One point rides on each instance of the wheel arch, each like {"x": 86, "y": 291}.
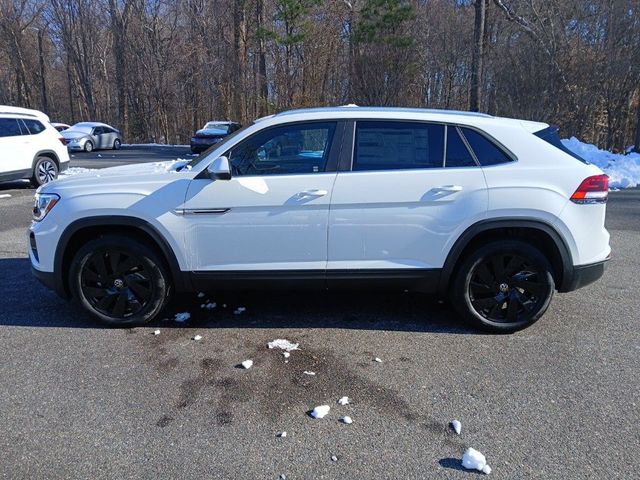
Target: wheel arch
{"x": 45, "y": 153}
{"x": 541, "y": 234}
{"x": 85, "y": 229}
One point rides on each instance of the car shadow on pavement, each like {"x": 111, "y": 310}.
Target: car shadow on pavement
{"x": 26, "y": 302}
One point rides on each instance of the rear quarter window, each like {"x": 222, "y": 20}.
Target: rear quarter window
{"x": 34, "y": 126}
{"x": 551, "y": 136}
{"x": 485, "y": 150}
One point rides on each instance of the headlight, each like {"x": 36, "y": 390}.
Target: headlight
{"x": 43, "y": 204}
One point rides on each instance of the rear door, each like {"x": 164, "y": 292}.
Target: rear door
{"x": 16, "y": 153}
{"x": 412, "y": 188}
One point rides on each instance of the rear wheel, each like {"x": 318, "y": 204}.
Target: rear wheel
{"x": 119, "y": 281}
{"x": 503, "y": 286}
{"x": 116, "y": 144}
{"x": 44, "y": 171}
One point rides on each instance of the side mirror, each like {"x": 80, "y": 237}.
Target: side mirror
{"x": 219, "y": 169}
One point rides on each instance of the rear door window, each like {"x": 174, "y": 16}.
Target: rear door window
{"x": 458, "y": 154}
{"x": 485, "y": 150}
{"x": 9, "y": 127}
{"x": 388, "y": 145}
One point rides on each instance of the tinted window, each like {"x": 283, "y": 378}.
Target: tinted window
{"x": 34, "y": 126}
{"x": 457, "y": 152}
{"x": 98, "y": 131}
{"x": 296, "y": 148}
{"x": 486, "y": 152}
{"x": 550, "y": 135}
{"x": 397, "y": 145}
{"x": 9, "y": 127}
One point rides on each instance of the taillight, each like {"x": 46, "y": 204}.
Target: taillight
{"x": 593, "y": 189}
{"x": 62, "y": 140}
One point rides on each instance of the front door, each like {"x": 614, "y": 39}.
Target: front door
{"x": 272, "y": 215}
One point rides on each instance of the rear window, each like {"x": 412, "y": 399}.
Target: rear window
{"x": 384, "y": 145}
{"x": 9, "y": 127}
{"x": 34, "y": 126}
{"x": 486, "y": 151}
{"x": 550, "y": 135}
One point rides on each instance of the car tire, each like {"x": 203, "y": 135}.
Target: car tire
{"x": 45, "y": 170}
{"x": 117, "y": 144}
{"x": 503, "y": 287}
{"x": 119, "y": 281}
{"x": 88, "y": 146}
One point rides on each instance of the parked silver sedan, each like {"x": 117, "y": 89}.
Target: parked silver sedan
{"x": 88, "y": 136}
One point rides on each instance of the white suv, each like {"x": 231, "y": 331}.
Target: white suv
{"x": 30, "y": 147}
{"x": 491, "y": 212}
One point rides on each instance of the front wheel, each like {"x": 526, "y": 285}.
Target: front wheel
{"x": 503, "y": 286}
{"x": 88, "y": 146}
{"x": 119, "y": 281}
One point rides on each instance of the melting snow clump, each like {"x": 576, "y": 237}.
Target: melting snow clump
{"x": 247, "y": 364}
{"x": 307, "y": 372}
{"x": 457, "y": 426}
{"x": 281, "y": 434}
{"x": 377, "y": 360}
{"x": 286, "y": 354}
{"x": 197, "y": 338}
{"x": 334, "y": 458}
{"x": 182, "y": 317}
{"x": 201, "y": 294}
{"x": 5, "y": 195}
{"x": 474, "y": 460}
{"x": 320, "y": 412}
{"x": 346, "y": 419}
{"x": 283, "y": 344}
{"x": 156, "y": 332}
{"x": 209, "y": 306}
{"x": 344, "y": 401}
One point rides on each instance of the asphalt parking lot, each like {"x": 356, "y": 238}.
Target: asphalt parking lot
{"x": 558, "y": 400}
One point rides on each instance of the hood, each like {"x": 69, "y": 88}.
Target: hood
{"x": 118, "y": 179}
{"x": 70, "y": 134}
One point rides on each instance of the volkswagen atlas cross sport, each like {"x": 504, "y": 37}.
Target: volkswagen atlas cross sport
{"x": 492, "y": 213}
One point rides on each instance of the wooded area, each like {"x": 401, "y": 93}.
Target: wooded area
{"x": 158, "y": 69}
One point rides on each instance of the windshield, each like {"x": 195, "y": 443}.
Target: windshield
{"x": 79, "y": 127}
{"x": 223, "y": 127}
{"x": 550, "y": 135}
{"x": 215, "y": 146}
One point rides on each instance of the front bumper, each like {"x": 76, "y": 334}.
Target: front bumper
{"x": 583, "y": 275}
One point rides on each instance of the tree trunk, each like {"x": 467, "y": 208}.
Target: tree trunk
{"x": 636, "y": 144}
{"x": 480, "y": 7}
{"x": 263, "y": 91}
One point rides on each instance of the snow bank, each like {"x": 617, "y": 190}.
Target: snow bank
{"x": 71, "y": 171}
{"x": 623, "y": 170}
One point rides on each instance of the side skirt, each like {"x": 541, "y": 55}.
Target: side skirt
{"x": 418, "y": 280}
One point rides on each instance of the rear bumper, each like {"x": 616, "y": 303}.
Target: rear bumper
{"x": 583, "y": 275}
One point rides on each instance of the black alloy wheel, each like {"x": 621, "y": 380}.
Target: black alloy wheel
{"x": 119, "y": 280}
{"x": 505, "y": 286}
{"x": 116, "y": 283}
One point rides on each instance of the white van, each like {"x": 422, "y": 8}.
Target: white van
{"x": 30, "y": 147}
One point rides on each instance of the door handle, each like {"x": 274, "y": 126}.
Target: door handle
{"x": 313, "y": 193}
{"x": 448, "y": 188}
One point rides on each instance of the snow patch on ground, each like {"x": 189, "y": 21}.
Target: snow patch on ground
{"x": 457, "y": 426}
{"x": 320, "y": 411}
{"x": 197, "y": 338}
{"x": 182, "y": 317}
{"x": 5, "y": 195}
{"x": 247, "y": 364}
{"x": 347, "y": 420}
{"x": 156, "y": 332}
{"x": 283, "y": 344}
{"x": 623, "y": 170}
{"x": 474, "y": 460}
{"x": 344, "y": 401}
{"x": 71, "y": 171}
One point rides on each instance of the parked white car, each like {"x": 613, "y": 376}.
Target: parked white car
{"x": 29, "y": 146}
{"x": 490, "y": 212}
